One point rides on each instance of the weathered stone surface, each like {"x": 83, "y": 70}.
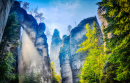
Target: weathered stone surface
{"x": 55, "y": 49}
{"x": 102, "y": 10}
{"x": 42, "y": 47}
{"x": 41, "y": 39}
{"x": 68, "y": 57}
{"x": 5, "y": 6}
{"x": 36, "y": 34}
{"x": 26, "y": 21}
{"x": 77, "y": 36}
{"x": 104, "y": 24}
{"x": 108, "y": 67}
{"x": 65, "y": 64}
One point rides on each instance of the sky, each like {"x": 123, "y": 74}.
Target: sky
{"x": 59, "y": 14}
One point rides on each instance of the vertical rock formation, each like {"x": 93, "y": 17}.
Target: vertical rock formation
{"x": 34, "y": 48}
{"x": 104, "y": 24}
{"x": 28, "y": 24}
{"x": 77, "y": 36}
{"x": 5, "y": 6}
{"x": 26, "y": 21}
{"x": 70, "y": 61}
{"x": 101, "y": 11}
{"x": 41, "y": 39}
{"x": 65, "y": 62}
{"x": 55, "y": 49}
{"x": 42, "y": 47}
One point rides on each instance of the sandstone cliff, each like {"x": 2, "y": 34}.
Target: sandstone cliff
{"x": 104, "y": 24}
{"x": 5, "y": 6}
{"x": 65, "y": 62}
{"x": 42, "y": 47}
{"x": 55, "y": 49}
{"x": 33, "y": 51}
{"x": 70, "y": 61}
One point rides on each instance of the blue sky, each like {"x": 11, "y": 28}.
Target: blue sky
{"x": 61, "y": 13}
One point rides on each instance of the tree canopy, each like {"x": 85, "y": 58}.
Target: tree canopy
{"x": 118, "y": 17}
{"x": 95, "y": 60}
{"x": 10, "y": 39}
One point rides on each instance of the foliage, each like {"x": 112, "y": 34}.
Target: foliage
{"x": 37, "y": 15}
{"x": 32, "y": 78}
{"x": 6, "y": 68}
{"x": 9, "y": 39}
{"x": 55, "y": 78}
{"x": 118, "y": 17}
{"x": 25, "y": 5}
{"x": 10, "y": 35}
{"x": 94, "y": 62}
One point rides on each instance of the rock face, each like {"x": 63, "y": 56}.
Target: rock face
{"x": 104, "y": 24}
{"x": 55, "y": 49}
{"x": 42, "y": 47}
{"x": 26, "y": 21}
{"x": 34, "y": 48}
{"x": 65, "y": 63}
{"x": 70, "y": 61}
{"x": 41, "y": 40}
{"x": 77, "y": 36}
{"x": 5, "y": 6}
{"x": 102, "y": 10}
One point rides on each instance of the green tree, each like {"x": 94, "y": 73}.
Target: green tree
{"x": 9, "y": 39}
{"x": 55, "y": 78}
{"x": 118, "y": 17}
{"x": 32, "y": 78}
{"x": 6, "y": 68}
{"x": 11, "y": 34}
{"x": 91, "y": 71}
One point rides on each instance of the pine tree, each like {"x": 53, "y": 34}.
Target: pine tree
{"x": 118, "y": 17}
{"x": 94, "y": 62}
{"x": 10, "y": 39}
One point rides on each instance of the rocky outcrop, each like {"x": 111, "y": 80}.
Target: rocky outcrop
{"x": 5, "y": 6}
{"x": 42, "y": 47}
{"x": 68, "y": 55}
{"x": 26, "y": 21}
{"x": 104, "y": 24}
{"x": 101, "y": 11}
{"x": 55, "y": 49}
{"x": 108, "y": 67}
{"x": 77, "y": 36}
{"x": 33, "y": 52}
{"x": 65, "y": 62}
{"x": 41, "y": 40}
